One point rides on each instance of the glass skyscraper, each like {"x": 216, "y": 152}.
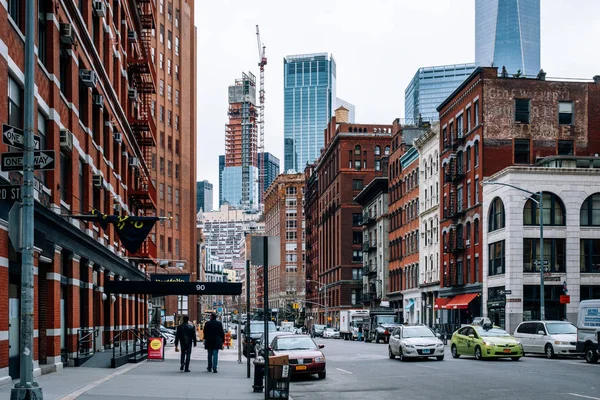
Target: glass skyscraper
{"x": 204, "y": 196}
{"x": 430, "y": 87}
{"x": 271, "y": 170}
{"x": 309, "y": 97}
{"x": 507, "y": 33}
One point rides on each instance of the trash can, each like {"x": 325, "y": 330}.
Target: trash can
{"x": 279, "y": 377}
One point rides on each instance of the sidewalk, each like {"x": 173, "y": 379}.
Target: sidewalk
{"x": 151, "y": 379}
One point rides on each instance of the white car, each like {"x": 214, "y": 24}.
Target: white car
{"x": 417, "y": 341}
{"x": 331, "y": 333}
{"x": 552, "y": 338}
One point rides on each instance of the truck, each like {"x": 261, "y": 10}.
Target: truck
{"x": 380, "y": 325}
{"x": 287, "y": 326}
{"x": 350, "y": 321}
{"x": 588, "y": 330}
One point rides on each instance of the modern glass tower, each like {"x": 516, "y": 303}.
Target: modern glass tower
{"x": 271, "y": 171}
{"x": 204, "y": 196}
{"x": 309, "y": 97}
{"x": 430, "y": 87}
{"x": 507, "y": 34}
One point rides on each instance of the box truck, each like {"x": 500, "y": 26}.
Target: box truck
{"x": 350, "y": 321}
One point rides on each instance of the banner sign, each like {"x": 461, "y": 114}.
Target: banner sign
{"x": 170, "y": 277}
{"x": 155, "y": 348}
{"x": 172, "y": 288}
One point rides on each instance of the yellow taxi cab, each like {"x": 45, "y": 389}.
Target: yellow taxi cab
{"x": 485, "y": 341}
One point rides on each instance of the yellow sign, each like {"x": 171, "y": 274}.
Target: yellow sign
{"x": 328, "y": 318}
{"x": 155, "y": 344}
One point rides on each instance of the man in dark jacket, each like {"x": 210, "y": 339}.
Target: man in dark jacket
{"x": 214, "y": 337}
{"x": 186, "y": 334}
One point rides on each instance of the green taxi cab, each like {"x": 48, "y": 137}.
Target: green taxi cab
{"x": 485, "y": 341}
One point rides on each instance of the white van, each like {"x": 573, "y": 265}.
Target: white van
{"x": 588, "y": 330}
{"x": 552, "y": 338}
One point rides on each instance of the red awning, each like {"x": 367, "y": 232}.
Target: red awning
{"x": 441, "y": 302}
{"x": 461, "y": 301}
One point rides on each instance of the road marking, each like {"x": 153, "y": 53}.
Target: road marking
{"x": 579, "y": 363}
{"x": 99, "y": 382}
{"x": 425, "y": 366}
{"x": 584, "y": 397}
{"x": 343, "y": 370}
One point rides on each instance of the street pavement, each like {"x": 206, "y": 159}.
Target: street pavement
{"x": 358, "y": 370}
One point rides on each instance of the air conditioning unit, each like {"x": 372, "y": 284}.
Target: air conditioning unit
{"x": 66, "y": 139}
{"x": 134, "y": 162}
{"x": 67, "y": 35}
{"x": 98, "y": 100}
{"x": 132, "y": 36}
{"x": 100, "y": 8}
{"x": 88, "y": 77}
{"x": 467, "y": 242}
{"x": 132, "y": 93}
{"x": 117, "y": 207}
{"x": 98, "y": 180}
{"x": 118, "y": 136}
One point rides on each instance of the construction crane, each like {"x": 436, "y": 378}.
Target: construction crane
{"x": 262, "y": 61}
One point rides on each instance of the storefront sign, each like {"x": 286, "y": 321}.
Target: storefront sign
{"x": 551, "y": 278}
{"x": 565, "y": 299}
{"x": 155, "y": 348}
{"x": 511, "y": 300}
{"x": 170, "y": 277}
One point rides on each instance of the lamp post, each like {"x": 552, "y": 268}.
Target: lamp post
{"x": 324, "y": 293}
{"x": 540, "y": 203}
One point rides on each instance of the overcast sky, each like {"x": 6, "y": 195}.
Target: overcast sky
{"x": 378, "y": 46}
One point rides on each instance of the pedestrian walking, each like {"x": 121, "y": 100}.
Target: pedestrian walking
{"x": 186, "y": 335}
{"x": 214, "y": 336}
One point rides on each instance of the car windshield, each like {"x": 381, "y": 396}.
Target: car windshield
{"x": 386, "y": 319}
{"x": 417, "y": 332}
{"x": 561, "y": 329}
{"x": 259, "y": 327}
{"x": 295, "y": 343}
{"x": 494, "y": 332}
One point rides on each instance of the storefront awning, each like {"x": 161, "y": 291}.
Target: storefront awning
{"x": 441, "y": 302}
{"x": 461, "y": 302}
{"x": 411, "y": 303}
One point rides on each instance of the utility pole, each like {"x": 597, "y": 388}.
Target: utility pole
{"x": 27, "y": 388}
{"x": 267, "y": 316}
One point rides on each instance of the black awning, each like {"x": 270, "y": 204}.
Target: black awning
{"x": 170, "y": 288}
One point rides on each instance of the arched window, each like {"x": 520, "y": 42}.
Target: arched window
{"x": 496, "y": 216}
{"x": 590, "y": 211}
{"x": 357, "y": 150}
{"x": 468, "y": 234}
{"x": 377, "y": 150}
{"x": 387, "y": 151}
{"x": 554, "y": 211}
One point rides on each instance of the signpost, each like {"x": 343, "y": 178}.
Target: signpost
{"x": 42, "y": 160}
{"x": 15, "y": 137}
{"x": 156, "y": 349}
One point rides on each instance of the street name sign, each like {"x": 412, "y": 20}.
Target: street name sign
{"x": 538, "y": 262}
{"x": 15, "y": 137}
{"x": 42, "y": 160}
{"x": 10, "y": 192}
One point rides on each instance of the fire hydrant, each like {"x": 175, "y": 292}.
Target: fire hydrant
{"x": 259, "y": 371}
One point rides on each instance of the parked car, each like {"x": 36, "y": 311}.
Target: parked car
{"x": 256, "y": 330}
{"x": 485, "y": 341}
{"x": 305, "y": 355}
{"x": 260, "y": 343}
{"x": 551, "y": 338}
{"x": 330, "y": 333}
{"x": 415, "y": 342}
{"x": 317, "y": 330}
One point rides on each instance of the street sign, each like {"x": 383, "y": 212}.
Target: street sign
{"x": 564, "y": 299}
{"x": 10, "y": 192}
{"x": 42, "y": 160}
{"x": 538, "y": 262}
{"x": 15, "y": 137}
{"x": 508, "y": 292}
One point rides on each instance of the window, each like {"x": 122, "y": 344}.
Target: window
{"x": 565, "y": 148}
{"x": 161, "y": 114}
{"x": 176, "y": 170}
{"x": 42, "y": 35}
{"x": 291, "y": 235}
{"x": 522, "y": 110}
{"x": 496, "y": 265}
{"x": 468, "y": 111}
{"x": 162, "y": 33}
{"x": 476, "y": 191}
{"x": 177, "y": 72}
{"x": 176, "y": 45}
{"x": 169, "y": 117}
{"x": 169, "y": 193}
{"x": 590, "y": 255}
{"x": 565, "y": 112}
{"x": 15, "y": 114}
{"x": 169, "y": 66}
{"x": 161, "y": 61}
{"x": 176, "y": 221}
{"x": 590, "y": 211}
{"x": 496, "y": 216}
{"x": 161, "y": 87}
{"x": 169, "y": 92}
{"x": 468, "y": 158}
{"x": 521, "y": 151}
{"x": 176, "y": 97}
{"x": 357, "y": 184}
{"x": 554, "y": 211}
{"x": 476, "y": 153}
{"x": 177, "y": 196}
{"x": 169, "y": 168}
{"x": 377, "y": 165}
{"x": 170, "y": 143}
{"x": 161, "y": 243}
{"x": 356, "y": 219}
{"x": 161, "y": 191}
{"x": 177, "y": 146}
{"x": 65, "y": 172}
{"x": 162, "y": 165}
{"x": 387, "y": 151}
{"x": 176, "y": 122}
{"x": 169, "y": 40}
{"x": 357, "y": 238}
{"x": 169, "y": 244}
{"x": 554, "y": 254}
{"x": 459, "y": 126}
{"x": 476, "y": 231}
{"x": 476, "y": 111}
{"x": 377, "y": 150}
{"x": 357, "y": 256}
{"x": 357, "y": 165}
{"x": 170, "y": 11}
{"x": 177, "y": 17}
{"x": 162, "y": 6}
{"x": 469, "y": 195}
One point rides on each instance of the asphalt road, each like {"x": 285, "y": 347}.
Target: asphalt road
{"x": 358, "y": 370}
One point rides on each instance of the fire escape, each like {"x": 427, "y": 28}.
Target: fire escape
{"x": 142, "y": 78}
{"x": 454, "y": 209}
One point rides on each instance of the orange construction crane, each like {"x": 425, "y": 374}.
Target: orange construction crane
{"x": 262, "y": 61}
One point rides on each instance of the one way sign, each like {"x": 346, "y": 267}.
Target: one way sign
{"x": 43, "y": 160}
{"x": 15, "y": 137}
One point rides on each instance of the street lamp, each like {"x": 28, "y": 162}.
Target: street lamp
{"x": 325, "y": 294}
{"x": 540, "y": 203}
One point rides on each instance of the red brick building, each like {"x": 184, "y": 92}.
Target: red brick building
{"x": 311, "y": 217}
{"x": 347, "y": 163}
{"x": 488, "y": 123}
{"x": 395, "y": 218}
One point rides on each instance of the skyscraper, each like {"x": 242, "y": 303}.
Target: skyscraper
{"x": 221, "y": 168}
{"x": 309, "y": 97}
{"x": 351, "y": 108}
{"x": 507, "y": 33}
{"x": 204, "y": 196}
{"x": 430, "y": 87}
{"x": 240, "y": 174}
{"x": 271, "y": 171}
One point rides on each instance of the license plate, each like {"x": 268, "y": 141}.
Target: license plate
{"x": 507, "y": 350}
{"x": 425, "y": 351}
{"x": 300, "y": 367}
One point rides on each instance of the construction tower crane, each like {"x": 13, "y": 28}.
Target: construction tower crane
{"x": 262, "y": 61}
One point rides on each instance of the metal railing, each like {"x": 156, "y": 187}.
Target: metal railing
{"x": 86, "y": 342}
{"x": 133, "y": 338}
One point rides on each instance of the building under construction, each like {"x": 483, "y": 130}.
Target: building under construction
{"x": 240, "y": 176}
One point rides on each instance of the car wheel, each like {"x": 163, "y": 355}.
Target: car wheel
{"x": 454, "y": 351}
{"x": 515, "y": 358}
{"x": 323, "y": 375}
{"x": 549, "y": 350}
{"x": 401, "y": 355}
{"x": 440, "y": 358}
{"x": 478, "y": 355}
{"x": 391, "y": 353}
{"x": 590, "y": 355}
